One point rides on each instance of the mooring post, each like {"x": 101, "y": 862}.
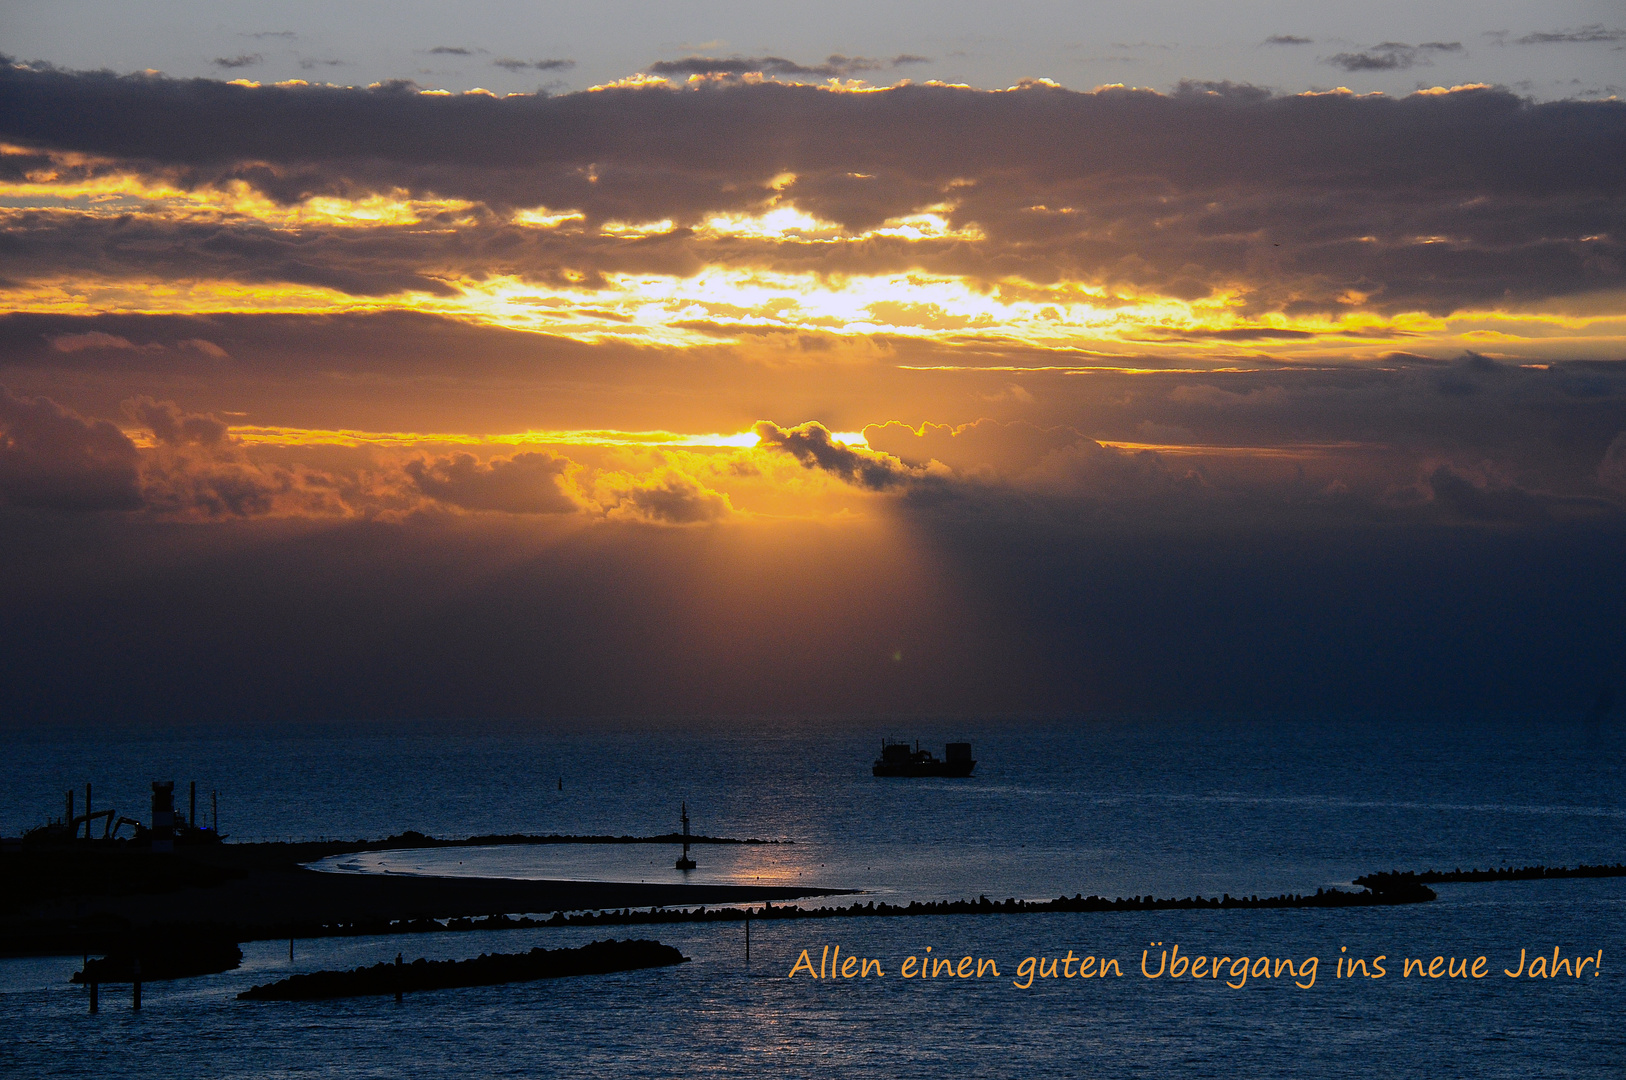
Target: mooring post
{"x": 398, "y": 978}
{"x": 93, "y": 1002}
{"x": 290, "y": 948}
{"x": 748, "y": 939}
{"x": 135, "y": 992}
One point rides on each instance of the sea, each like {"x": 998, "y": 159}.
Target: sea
{"x": 1166, "y": 807}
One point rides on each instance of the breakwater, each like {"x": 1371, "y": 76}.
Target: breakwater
{"x": 1321, "y": 898}
{"x": 1402, "y": 878}
{"x": 597, "y": 958}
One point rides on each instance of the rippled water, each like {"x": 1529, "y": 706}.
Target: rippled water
{"x": 1126, "y": 808}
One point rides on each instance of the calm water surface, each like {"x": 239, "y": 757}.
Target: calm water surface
{"x": 1128, "y": 808}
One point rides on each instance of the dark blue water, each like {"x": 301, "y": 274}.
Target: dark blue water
{"x": 1126, "y": 808}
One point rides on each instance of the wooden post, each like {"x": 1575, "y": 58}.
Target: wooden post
{"x": 290, "y": 948}
{"x": 748, "y": 939}
{"x": 398, "y": 978}
{"x": 93, "y": 1003}
{"x": 135, "y": 993}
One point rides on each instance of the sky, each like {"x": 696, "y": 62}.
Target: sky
{"x": 1560, "y": 49}
{"x": 366, "y": 361}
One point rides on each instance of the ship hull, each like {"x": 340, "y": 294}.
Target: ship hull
{"x": 961, "y": 768}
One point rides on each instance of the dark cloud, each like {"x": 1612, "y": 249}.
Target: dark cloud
{"x": 1482, "y": 496}
{"x": 1372, "y": 61}
{"x": 812, "y": 445}
{"x": 1288, "y": 39}
{"x": 452, "y": 50}
{"x": 1486, "y": 498}
{"x": 241, "y": 61}
{"x": 1589, "y": 34}
{"x": 384, "y": 346}
{"x": 53, "y": 459}
{"x": 195, "y": 470}
{"x": 172, "y": 427}
{"x": 511, "y": 64}
{"x": 1297, "y": 201}
{"x": 522, "y": 484}
{"x": 359, "y": 262}
{"x": 1392, "y": 56}
{"x": 190, "y": 468}
{"x": 202, "y": 487}
{"x": 666, "y": 498}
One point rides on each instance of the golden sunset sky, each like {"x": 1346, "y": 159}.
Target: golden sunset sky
{"x": 747, "y": 382}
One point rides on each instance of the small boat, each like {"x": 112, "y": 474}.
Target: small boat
{"x": 898, "y": 760}
{"x": 685, "y": 863}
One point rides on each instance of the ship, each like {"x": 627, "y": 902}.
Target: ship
{"x": 168, "y": 830}
{"x": 897, "y": 759}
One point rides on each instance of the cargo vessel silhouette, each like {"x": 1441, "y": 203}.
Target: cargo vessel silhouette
{"x": 897, "y": 759}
